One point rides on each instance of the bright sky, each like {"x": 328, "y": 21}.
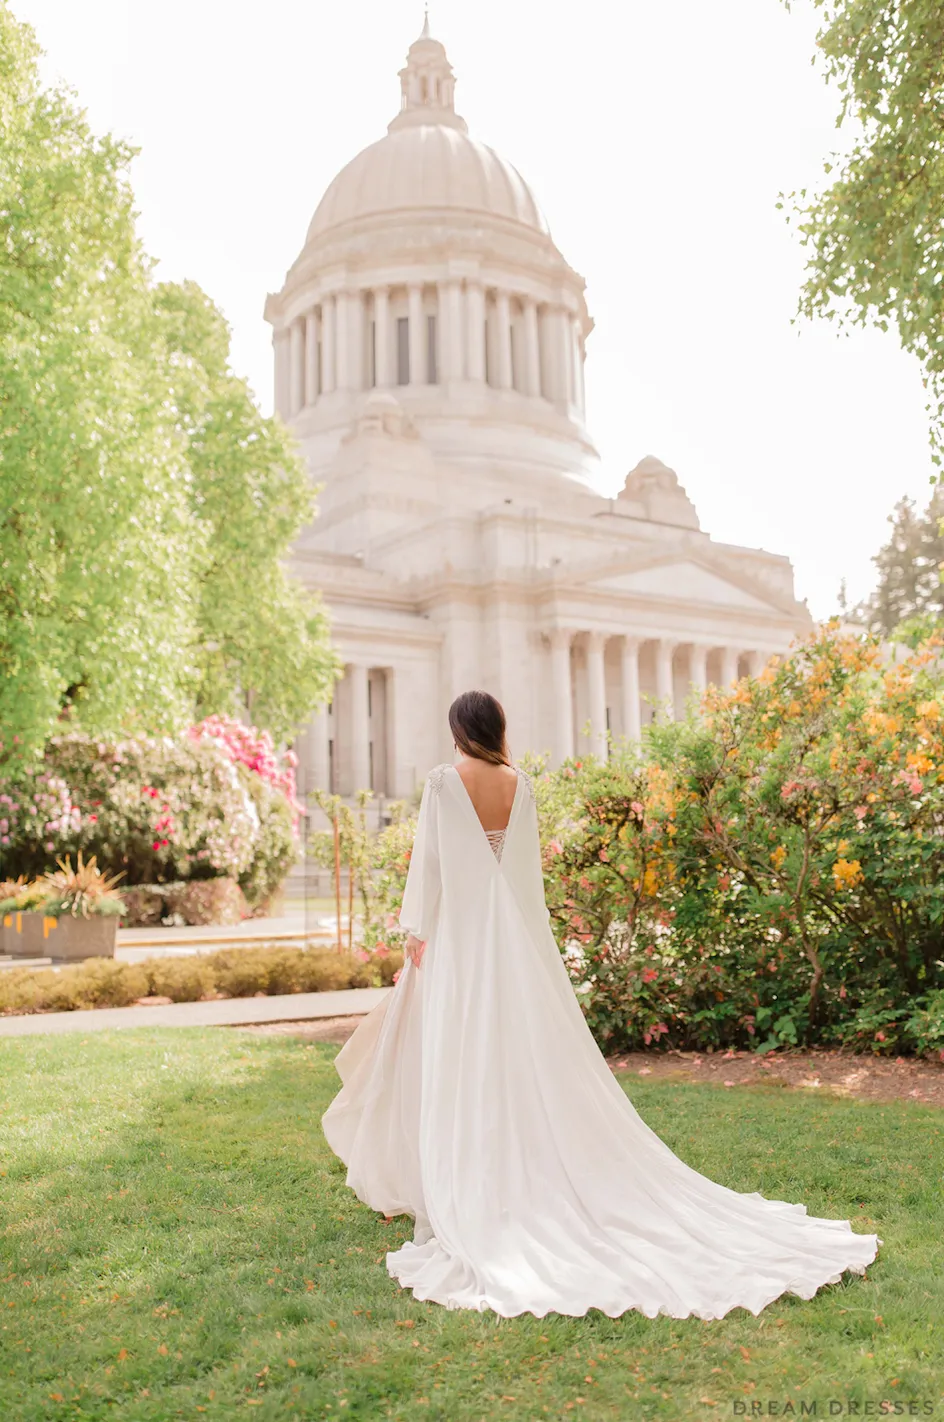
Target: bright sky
{"x": 656, "y": 138}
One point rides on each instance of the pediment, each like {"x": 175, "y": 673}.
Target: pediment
{"x": 685, "y": 581}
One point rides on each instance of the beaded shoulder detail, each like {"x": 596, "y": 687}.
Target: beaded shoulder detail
{"x": 529, "y": 783}
{"x": 436, "y": 778}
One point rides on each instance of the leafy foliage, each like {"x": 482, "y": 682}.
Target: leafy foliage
{"x": 155, "y": 810}
{"x": 908, "y": 600}
{"x": 874, "y": 235}
{"x": 146, "y": 506}
{"x": 770, "y": 871}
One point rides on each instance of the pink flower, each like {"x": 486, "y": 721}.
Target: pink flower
{"x": 381, "y": 951}
{"x": 649, "y": 974}
{"x": 604, "y": 856}
{"x": 556, "y": 847}
{"x": 637, "y": 809}
{"x": 861, "y": 811}
{"x": 92, "y": 819}
{"x": 49, "y": 846}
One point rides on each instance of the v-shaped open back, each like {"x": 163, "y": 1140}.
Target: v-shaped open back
{"x": 495, "y": 839}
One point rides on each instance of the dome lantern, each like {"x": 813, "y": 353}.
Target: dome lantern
{"x": 427, "y": 86}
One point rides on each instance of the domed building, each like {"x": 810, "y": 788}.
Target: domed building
{"x": 429, "y": 349}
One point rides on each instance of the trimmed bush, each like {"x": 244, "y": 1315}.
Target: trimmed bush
{"x": 181, "y": 979}
{"x": 203, "y": 901}
{"x": 236, "y": 972}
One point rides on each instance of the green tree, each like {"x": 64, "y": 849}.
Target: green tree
{"x": 874, "y": 234}
{"x": 96, "y": 594}
{"x": 146, "y": 506}
{"x": 262, "y": 640}
{"x": 909, "y": 596}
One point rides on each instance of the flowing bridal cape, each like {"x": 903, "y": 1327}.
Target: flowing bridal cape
{"x": 475, "y": 1099}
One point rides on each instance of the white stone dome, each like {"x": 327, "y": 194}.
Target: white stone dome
{"x": 427, "y": 167}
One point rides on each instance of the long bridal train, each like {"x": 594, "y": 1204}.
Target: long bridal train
{"x": 475, "y": 1099}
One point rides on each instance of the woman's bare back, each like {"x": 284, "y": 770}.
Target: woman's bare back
{"x": 491, "y": 788}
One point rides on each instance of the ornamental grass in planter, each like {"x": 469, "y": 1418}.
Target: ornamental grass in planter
{"x": 70, "y": 914}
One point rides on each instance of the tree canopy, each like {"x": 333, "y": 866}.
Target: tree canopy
{"x": 146, "y": 506}
{"x": 908, "y": 599}
{"x": 876, "y": 246}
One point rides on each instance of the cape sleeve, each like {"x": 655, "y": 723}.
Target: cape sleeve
{"x": 423, "y": 888}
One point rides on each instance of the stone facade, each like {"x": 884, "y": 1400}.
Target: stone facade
{"x": 429, "y": 353}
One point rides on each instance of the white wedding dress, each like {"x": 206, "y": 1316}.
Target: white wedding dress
{"x": 476, "y": 1100}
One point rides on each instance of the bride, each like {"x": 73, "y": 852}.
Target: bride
{"x": 475, "y": 1099}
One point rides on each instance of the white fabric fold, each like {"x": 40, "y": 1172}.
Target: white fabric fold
{"x": 475, "y": 1099}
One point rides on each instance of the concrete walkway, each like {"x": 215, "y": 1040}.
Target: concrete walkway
{"x": 223, "y": 1012}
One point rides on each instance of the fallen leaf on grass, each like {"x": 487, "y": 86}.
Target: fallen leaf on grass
{"x": 406, "y": 1323}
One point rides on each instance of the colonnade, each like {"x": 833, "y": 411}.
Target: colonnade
{"x": 579, "y": 673}
{"x": 429, "y": 334}
{"x": 349, "y": 745}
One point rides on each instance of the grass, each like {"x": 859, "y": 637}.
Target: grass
{"x": 178, "y": 1241}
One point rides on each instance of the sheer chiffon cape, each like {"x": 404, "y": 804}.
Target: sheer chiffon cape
{"x": 475, "y": 1099}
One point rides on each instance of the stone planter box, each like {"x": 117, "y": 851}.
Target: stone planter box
{"x": 66, "y": 939}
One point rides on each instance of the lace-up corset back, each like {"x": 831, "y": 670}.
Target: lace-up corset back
{"x": 496, "y": 839}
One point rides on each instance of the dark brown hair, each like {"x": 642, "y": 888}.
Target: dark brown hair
{"x": 477, "y": 722}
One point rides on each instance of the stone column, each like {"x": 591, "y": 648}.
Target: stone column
{"x": 577, "y": 364}
{"x": 503, "y": 322}
{"x": 297, "y": 348}
{"x": 562, "y": 694}
{"x": 417, "y": 336}
{"x": 632, "y": 714}
{"x": 729, "y": 665}
{"x": 382, "y": 345}
{"x": 698, "y": 667}
{"x": 360, "y": 729}
{"x": 475, "y": 331}
{"x": 665, "y": 688}
{"x": 357, "y": 339}
{"x": 532, "y": 382}
{"x": 328, "y": 345}
{"x": 313, "y": 757}
{"x": 596, "y": 693}
{"x": 454, "y": 362}
{"x": 311, "y": 357}
{"x": 282, "y": 356}
{"x": 553, "y": 351}
{"x": 342, "y": 341}
{"x": 758, "y": 660}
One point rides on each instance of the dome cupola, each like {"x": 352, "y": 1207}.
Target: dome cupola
{"x": 429, "y": 269}
{"x": 427, "y": 86}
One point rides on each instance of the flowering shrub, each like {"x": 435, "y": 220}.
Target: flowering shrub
{"x": 253, "y": 749}
{"x": 767, "y": 871}
{"x": 773, "y": 873}
{"x": 155, "y": 810}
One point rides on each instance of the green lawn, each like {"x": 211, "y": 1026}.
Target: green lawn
{"x": 178, "y": 1241}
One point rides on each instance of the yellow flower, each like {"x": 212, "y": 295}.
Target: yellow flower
{"x": 847, "y": 873}
{"x": 929, "y": 710}
{"x": 778, "y": 856}
{"x": 842, "y": 847}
